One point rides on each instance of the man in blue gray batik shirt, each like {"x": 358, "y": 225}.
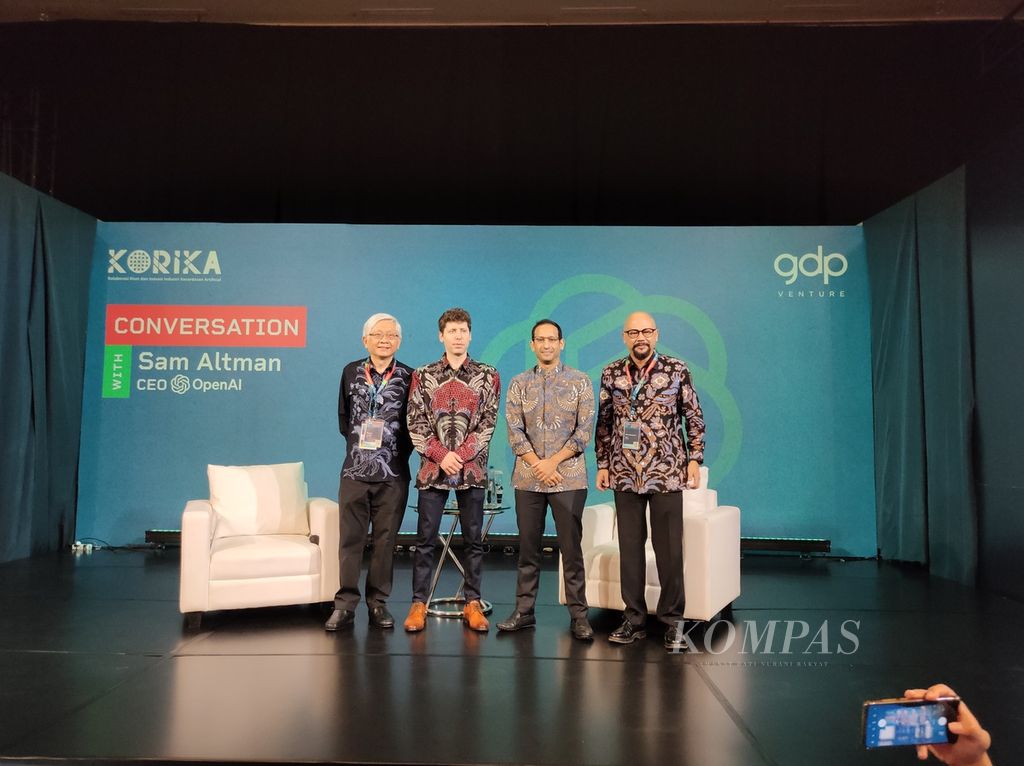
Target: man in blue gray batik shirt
{"x": 372, "y": 404}
{"x": 550, "y": 416}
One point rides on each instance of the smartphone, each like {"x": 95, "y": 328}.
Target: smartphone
{"x": 899, "y": 721}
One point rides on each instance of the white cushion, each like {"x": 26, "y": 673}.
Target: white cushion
{"x": 258, "y": 499}
{"x": 699, "y": 500}
{"x": 241, "y": 558}
{"x": 711, "y": 560}
{"x": 602, "y": 562}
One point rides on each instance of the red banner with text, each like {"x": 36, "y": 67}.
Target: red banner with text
{"x": 175, "y": 325}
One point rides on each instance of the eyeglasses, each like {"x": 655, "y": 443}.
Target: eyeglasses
{"x": 384, "y": 335}
{"x": 546, "y": 340}
{"x": 647, "y": 332}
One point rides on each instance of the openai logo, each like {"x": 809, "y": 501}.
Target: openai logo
{"x": 816, "y": 264}
{"x": 180, "y": 384}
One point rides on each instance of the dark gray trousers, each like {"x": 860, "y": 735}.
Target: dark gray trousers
{"x": 567, "y": 510}
{"x": 667, "y": 540}
{"x": 362, "y": 504}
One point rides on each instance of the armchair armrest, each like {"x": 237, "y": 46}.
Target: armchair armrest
{"x": 197, "y": 524}
{"x": 598, "y": 525}
{"x": 324, "y": 523}
{"x": 711, "y": 541}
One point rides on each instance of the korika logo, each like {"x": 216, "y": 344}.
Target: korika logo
{"x": 198, "y": 262}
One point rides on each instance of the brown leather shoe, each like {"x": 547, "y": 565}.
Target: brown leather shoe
{"x": 417, "y": 619}
{"x": 473, "y": 616}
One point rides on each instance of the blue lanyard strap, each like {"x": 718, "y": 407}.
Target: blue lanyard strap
{"x": 377, "y": 392}
{"x": 640, "y": 383}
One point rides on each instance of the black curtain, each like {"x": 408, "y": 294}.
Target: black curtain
{"x": 45, "y": 248}
{"x": 995, "y": 199}
{"x": 922, "y": 374}
{"x": 583, "y": 125}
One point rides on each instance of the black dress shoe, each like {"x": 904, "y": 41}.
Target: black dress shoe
{"x": 380, "y": 617}
{"x": 627, "y": 633}
{"x": 340, "y": 618}
{"x": 518, "y": 621}
{"x": 674, "y": 639}
{"x": 581, "y": 629}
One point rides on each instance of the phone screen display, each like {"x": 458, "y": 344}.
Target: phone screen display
{"x": 891, "y": 723}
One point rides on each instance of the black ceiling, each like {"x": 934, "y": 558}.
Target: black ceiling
{"x": 673, "y": 125}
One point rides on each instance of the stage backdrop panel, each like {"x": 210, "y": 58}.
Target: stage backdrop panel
{"x": 224, "y": 344}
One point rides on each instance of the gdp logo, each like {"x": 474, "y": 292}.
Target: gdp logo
{"x": 816, "y": 264}
{"x": 164, "y": 265}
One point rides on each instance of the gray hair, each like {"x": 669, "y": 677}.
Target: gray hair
{"x": 369, "y": 323}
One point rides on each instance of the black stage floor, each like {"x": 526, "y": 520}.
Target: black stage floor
{"x": 97, "y": 666}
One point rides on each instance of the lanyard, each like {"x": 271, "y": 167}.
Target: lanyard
{"x": 377, "y": 392}
{"x": 641, "y": 381}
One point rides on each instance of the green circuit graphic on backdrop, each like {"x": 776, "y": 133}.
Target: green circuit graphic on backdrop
{"x": 710, "y": 382}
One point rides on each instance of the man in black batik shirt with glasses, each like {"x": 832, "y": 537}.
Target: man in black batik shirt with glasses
{"x": 646, "y": 406}
{"x": 372, "y": 408}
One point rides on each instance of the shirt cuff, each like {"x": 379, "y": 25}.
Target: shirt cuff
{"x": 436, "y": 451}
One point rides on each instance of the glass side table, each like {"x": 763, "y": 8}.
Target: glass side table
{"x": 451, "y": 606}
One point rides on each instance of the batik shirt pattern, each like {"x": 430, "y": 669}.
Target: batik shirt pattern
{"x": 665, "y": 407}
{"x": 453, "y": 411}
{"x": 546, "y": 410}
{"x": 391, "y": 460}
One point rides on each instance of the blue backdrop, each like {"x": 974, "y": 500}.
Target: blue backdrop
{"x": 772, "y": 321}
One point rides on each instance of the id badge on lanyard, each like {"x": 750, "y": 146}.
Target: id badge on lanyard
{"x": 371, "y": 434}
{"x": 630, "y": 435}
{"x": 631, "y": 427}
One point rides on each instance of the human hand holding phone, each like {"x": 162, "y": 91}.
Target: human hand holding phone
{"x": 972, "y": 743}
{"x": 909, "y": 722}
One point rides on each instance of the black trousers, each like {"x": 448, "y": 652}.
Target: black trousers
{"x": 362, "y": 504}
{"x": 471, "y": 520}
{"x": 667, "y": 540}
{"x": 567, "y": 510}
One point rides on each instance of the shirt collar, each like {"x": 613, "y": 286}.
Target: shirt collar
{"x": 629, "y": 363}
{"x": 368, "y": 365}
{"x": 546, "y": 373}
{"x": 466, "y": 364}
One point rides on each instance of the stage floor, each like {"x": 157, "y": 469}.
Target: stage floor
{"x": 96, "y": 664}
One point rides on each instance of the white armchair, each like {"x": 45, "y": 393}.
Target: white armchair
{"x": 258, "y": 541}
{"x": 711, "y": 556}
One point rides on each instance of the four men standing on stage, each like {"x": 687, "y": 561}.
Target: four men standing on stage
{"x": 550, "y": 415}
{"x": 646, "y": 401}
{"x": 447, "y": 411}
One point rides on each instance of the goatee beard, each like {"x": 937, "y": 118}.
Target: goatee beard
{"x": 641, "y": 356}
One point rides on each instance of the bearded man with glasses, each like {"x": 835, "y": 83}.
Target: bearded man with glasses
{"x": 550, "y": 414}
{"x": 372, "y": 408}
{"x": 646, "y": 403}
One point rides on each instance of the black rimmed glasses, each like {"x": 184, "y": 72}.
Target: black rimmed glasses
{"x": 647, "y": 332}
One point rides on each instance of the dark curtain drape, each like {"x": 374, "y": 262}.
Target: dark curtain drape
{"x": 594, "y": 124}
{"x": 922, "y": 379}
{"x": 995, "y": 199}
{"x": 45, "y": 248}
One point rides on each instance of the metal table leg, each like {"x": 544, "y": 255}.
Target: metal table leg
{"x": 434, "y": 607}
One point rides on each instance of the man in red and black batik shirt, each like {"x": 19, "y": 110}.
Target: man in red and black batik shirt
{"x": 453, "y": 405}
{"x": 647, "y": 404}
